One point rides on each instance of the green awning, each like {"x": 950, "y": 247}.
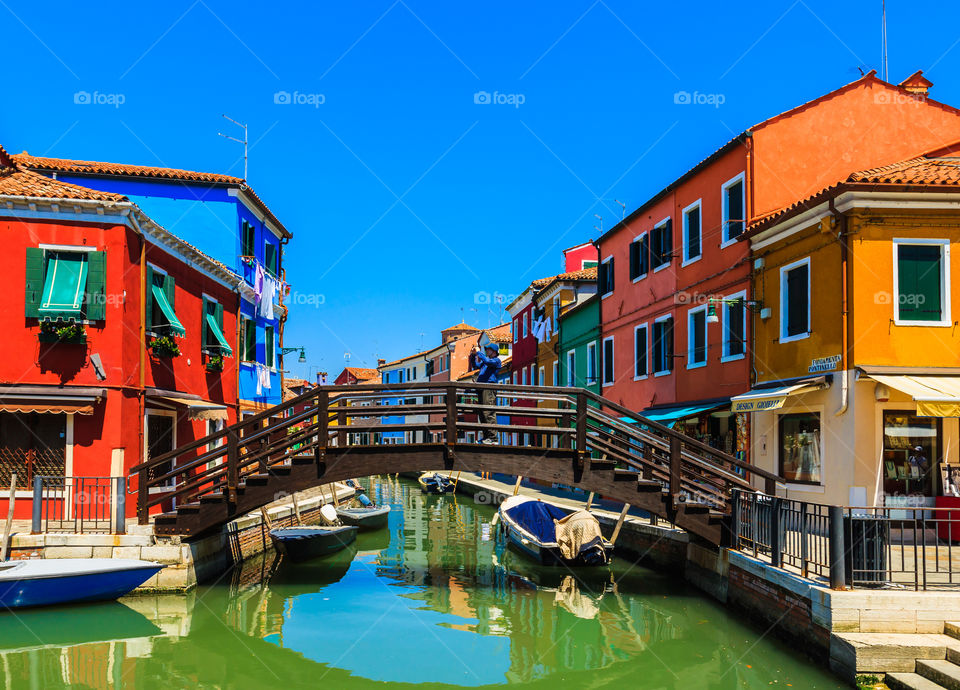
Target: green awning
{"x": 64, "y": 286}
{"x": 218, "y": 334}
{"x": 160, "y": 298}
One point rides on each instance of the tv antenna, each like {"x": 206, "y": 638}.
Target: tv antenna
{"x": 883, "y": 38}
{"x": 623, "y": 208}
{"x": 599, "y": 218}
{"x": 243, "y": 141}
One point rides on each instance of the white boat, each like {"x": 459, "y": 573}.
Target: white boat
{"x": 70, "y": 580}
{"x": 553, "y": 535}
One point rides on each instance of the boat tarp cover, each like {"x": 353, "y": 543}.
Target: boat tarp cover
{"x": 575, "y": 531}
{"x": 537, "y": 518}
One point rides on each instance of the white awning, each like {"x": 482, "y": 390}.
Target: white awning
{"x": 936, "y": 396}
{"x": 774, "y": 398}
{"x": 199, "y": 409}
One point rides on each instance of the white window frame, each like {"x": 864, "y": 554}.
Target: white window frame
{"x": 784, "y": 270}
{"x": 669, "y": 261}
{"x": 725, "y": 355}
{"x": 524, "y": 320}
{"x": 571, "y": 368}
{"x": 516, "y": 330}
{"x": 556, "y": 371}
{"x": 646, "y": 348}
{"x": 603, "y": 365}
{"x": 592, "y": 352}
{"x": 533, "y": 374}
{"x": 606, "y": 294}
{"x": 668, "y": 356}
{"x": 540, "y": 373}
{"x": 523, "y": 376}
{"x": 946, "y": 318}
{"x": 693, "y": 311}
{"x": 687, "y": 260}
{"x": 725, "y": 211}
{"x": 644, "y": 274}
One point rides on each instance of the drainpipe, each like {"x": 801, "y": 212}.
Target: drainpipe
{"x": 142, "y": 391}
{"x": 284, "y": 241}
{"x": 840, "y": 220}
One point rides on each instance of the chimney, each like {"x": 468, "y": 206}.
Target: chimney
{"x": 381, "y": 362}
{"x": 916, "y": 83}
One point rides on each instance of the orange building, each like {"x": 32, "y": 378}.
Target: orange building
{"x": 857, "y": 351}
{"x": 675, "y": 282}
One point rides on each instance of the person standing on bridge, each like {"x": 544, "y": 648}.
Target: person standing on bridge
{"x": 488, "y": 362}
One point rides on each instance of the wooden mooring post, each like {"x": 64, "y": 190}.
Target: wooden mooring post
{"x": 9, "y": 526}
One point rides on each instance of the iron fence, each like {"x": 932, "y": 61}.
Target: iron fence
{"x": 892, "y": 547}
{"x": 79, "y": 504}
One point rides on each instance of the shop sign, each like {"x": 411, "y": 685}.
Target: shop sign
{"x": 759, "y": 405}
{"x": 824, "y": 364}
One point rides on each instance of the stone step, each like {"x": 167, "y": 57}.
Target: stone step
{"x": 952, "y": 629}
{"x": 879, "y": 653}
{"x": 944, "y": 672}
{"x": 910, "y": 681}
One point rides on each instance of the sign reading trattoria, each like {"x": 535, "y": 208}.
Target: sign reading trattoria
{"x": 824, "y": 364}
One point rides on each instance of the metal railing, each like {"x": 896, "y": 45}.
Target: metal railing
{"x": 79, "y": 504}
{"x": 892, "y": 547}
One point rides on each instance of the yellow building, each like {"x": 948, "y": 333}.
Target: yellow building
{"x": 856, "y": 354}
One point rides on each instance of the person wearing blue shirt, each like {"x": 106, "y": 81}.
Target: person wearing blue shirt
{"x": 488, "y": 363}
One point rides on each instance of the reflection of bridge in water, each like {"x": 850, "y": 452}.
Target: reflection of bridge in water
{"x": 333, "y": 433}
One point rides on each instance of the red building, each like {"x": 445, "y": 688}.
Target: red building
{"x": 674, "y": 280}
{"x": 119, "y": 335}
{"x": 580, "y": 257}
{"x": 354, "y": 376}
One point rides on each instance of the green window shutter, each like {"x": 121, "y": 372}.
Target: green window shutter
{"x": 148, "y": 301}
{"x": 918, "y": 278}
{"x": 218, "y": 315}
{"x": 34, "y": 282}
{"x": 203, "y": 323}
{"x": 97, "y": 286}
{"x": 169, "y": 288}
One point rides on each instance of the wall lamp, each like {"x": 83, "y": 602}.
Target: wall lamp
{"x": 752, "y": 305}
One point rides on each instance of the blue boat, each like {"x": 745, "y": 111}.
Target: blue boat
{"x": 552, "y": 535}
{"x": 304, "y": 543}
{"x": 70, "y": 580}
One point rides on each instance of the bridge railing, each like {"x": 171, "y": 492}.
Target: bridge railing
{"x": 332, "y": 419}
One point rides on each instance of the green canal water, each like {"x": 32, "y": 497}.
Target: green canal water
{"x": 434, "y": 601}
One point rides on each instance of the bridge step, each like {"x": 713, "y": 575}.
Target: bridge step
{"x": 214, "y": 497}
{"x": 600, "y": 464}
{"x": 258, "y": 479}
{"x": 302, "y": 460}
{"x": 166, "y": 518}
{"x": 649, "y": 485}
{"x": 622, "y": 475}
{"x": 188, "y": 508}
{"x": 697, "y": 508}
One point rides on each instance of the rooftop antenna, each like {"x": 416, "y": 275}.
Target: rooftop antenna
{"x": 243, "y": 141}
{"x": 599, "y": 218}
{"x": 623, "y": 209}
{"x": 421, "y": 341}
{"x": 883, "y": 35}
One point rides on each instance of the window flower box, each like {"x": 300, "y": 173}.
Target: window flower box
{"x": 164, "y": 347}
{"x": 214, "y": 364}
{"x": 67, "y": 333}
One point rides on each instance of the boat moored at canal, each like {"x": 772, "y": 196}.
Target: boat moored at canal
{"x": 66, "y": 581}
{"x": 435, "y": 483}
{"x": 552, "y": 535}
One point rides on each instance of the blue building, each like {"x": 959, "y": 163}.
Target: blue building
{"x": 223, "y": 217}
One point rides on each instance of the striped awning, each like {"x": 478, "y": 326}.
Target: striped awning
{"x": 218, "y": 334}
{"x": 64, "y": 286}
{"x": 160, "y": 298}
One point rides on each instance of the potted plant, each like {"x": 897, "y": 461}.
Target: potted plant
{"x": 214, "y": 363}
{"x": 165, "y": 346}
{"x": 72, "y": 333}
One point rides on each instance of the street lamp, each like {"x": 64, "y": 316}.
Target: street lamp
{"x": 287, "y": 350}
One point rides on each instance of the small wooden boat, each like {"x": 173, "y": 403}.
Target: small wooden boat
{"x": 66, "y": 581}
{"x": 312, "y": 541}
{"x": 372, "y": 517}
{"x": 552, "y": 535}
{"x": 435, "y": 483}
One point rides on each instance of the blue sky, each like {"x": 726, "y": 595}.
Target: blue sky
{"x": 406, "y": 197}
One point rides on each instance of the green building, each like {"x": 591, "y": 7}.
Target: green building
{"x": 579, "y": 345}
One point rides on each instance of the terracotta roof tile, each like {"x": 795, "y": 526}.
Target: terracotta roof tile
{"x": 362, "y": 374}
{"x": 500, "y": 334}
{"x": 82, "y": 167}
{"x": 15, "y": 181}
{"x": 914, "y": 172}
{"x": 462, "y": 326}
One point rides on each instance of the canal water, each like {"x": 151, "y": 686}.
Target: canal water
{"x": 434, "y": 601}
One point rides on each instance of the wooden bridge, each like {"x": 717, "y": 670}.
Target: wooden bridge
{"x": 332, "y": 433}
